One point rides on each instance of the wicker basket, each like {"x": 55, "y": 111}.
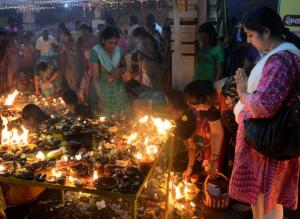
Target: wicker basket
{"x": 219, "y": 202}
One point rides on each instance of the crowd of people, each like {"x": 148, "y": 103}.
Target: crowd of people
{"x": 113, "y": 72}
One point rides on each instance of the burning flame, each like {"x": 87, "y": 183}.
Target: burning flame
{"x": 72, "y": 179}
{"x": 78, "y": 157}
{"x": 178, "y": 192}
{"x": 40, "y": 156}
{"x": 192, "y": 204}
{"x": 62, "y": 102}
{"x": 162, "y": 126}
{"x": 65, "y": 158}
{"x": 144, "y": 119}
{"x": 146, "y": 141}
{"x": 102, "y": 119}
{"x": 2, "y": 168}
{"x": 56, "y": 174}
{"x": 13, "y": 137}
{"x": 131, "y": 138}
{"x": 95, "y": 176}
{"x": 139, "y": 156}
{"x": 151, "y": 149}
{"x": 11, "y": 98}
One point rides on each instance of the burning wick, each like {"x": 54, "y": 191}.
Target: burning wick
{"x": 102, "y": 119}
{"x": 192, "y": 204}
{"x": 40, "y": 156}
{"x": 2, "y": 168}
{"x": 95, "y": 176}
{"x": 11, "y": 98}
{"x": 139, "y": 156}
{"x": 65, "y": 158}
{"x": 56, "y": 174}
{"x": 131, "y": 138}
{"x": 78, "y": 157}
{"x": 144, "y": 119}
{"x": 52, "y": 116}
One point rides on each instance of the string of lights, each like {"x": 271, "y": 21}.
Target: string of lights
{"x": 38, "y": 5}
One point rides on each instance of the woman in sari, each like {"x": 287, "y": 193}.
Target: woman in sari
{"x": 107, "y": 94}
{"x": 267, "y": 184}
{"x": 150, "y": 59}
{"x": 71, "y": 66}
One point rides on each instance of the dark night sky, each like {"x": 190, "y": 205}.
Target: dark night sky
{"x": 238, "y": 8}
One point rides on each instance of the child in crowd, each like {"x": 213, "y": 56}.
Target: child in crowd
{"x": 74, "y": 107}
{"x": 47, "y": 79}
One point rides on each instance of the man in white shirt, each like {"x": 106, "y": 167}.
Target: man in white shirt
{"x": 46, "y": 44}
{"x": 151, "y": 19}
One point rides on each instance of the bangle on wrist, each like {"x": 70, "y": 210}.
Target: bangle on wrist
{"x": 190, "y": 169}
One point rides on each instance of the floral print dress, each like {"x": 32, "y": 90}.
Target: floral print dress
{"x": 254, "y": 173}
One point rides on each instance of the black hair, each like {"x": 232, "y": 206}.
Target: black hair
{"x": 109, "y": 33}
{"x": 133, "y": 19}
{"x": 61, "y": 25}
{"x": 70, "y": 97}
{"x": 110, "y": 21}
{"x": 150, "y": 26}
{"x": 202, "y": 90}
{"x": 76, "y": 23}
{"x": 176, "y": 99}
{"x": 264, "y": 17}
{"x": 33, "y": 115}
{"x": 83, "y": 111}
{"x": 67, "y": 33}
{"x": 141, "y": 32}
{"x": 41, "y": 66}
{"x": 150, "y": 18}
{"x": 209, "y": 30}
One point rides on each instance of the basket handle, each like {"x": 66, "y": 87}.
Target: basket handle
{"x": 208, "y": 177}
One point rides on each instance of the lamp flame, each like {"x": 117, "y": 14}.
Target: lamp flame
{"x": 131, "y": 138}
{"x": 40, "y": 156}
{"x": 95, "y": 176}
{"x": 162, "y": 126}
{"x": 13, "y": 137}
{"x": 144, "y": 119}
{"x": 11, "y": 98}
{"x": 139, "y": 156}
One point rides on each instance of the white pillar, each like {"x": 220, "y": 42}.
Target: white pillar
{"x": 184, "y": 32}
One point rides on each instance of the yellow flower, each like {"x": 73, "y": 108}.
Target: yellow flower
{"x": 184, "y": 118}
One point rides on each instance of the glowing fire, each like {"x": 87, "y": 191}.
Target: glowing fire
{"x": 2, "y": 168}
{"x": 192, "y": 204}
{"x": 95, "y": 176}
{"x": 151, "y": 149}
{"x": 162, "y": 126}
{"x": 56, "y": 174}
{"x": 102, "y": 119}
{"x": 178, "y": 193}
{"x": 40, "y": 156}
{"x": 11, "y": 98}
{"x": 72, "y": 179}
{"x": 13, "y": 137}
{"x": 78, "y": 157}
{"x": 139, "y": 156}
{"x": 131, "y": 138}
{"x": 144, "y": 119}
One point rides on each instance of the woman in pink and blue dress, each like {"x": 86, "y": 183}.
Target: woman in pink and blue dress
{"x": 268, "y": 185}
